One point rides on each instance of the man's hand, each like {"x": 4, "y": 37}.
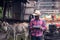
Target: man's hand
{"x": 40, "y": 27}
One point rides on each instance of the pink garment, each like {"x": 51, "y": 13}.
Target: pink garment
{"x": 37, "y": 32}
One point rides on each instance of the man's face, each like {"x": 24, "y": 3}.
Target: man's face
{"x": 36, "y": 17}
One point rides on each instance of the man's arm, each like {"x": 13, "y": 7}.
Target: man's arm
{"x": 30, "y": 27}
{"x": 31, "y": 23}
{"x": 44, "y": 25}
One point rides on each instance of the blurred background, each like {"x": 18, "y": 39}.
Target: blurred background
{"x": 21, "y": 9}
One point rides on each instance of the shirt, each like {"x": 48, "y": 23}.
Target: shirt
{"x": 37, "y": 32}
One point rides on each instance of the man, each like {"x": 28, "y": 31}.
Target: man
{"x": 53, "y": 16}
{"x": 37, "y": 26}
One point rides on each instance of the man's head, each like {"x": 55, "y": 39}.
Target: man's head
{"x": 37, "y": 14}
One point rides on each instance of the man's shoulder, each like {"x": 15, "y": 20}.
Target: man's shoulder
{"x": 32, "y": 19}
{"x": 42, "y": 19}
{"x": 39, "y": 19}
